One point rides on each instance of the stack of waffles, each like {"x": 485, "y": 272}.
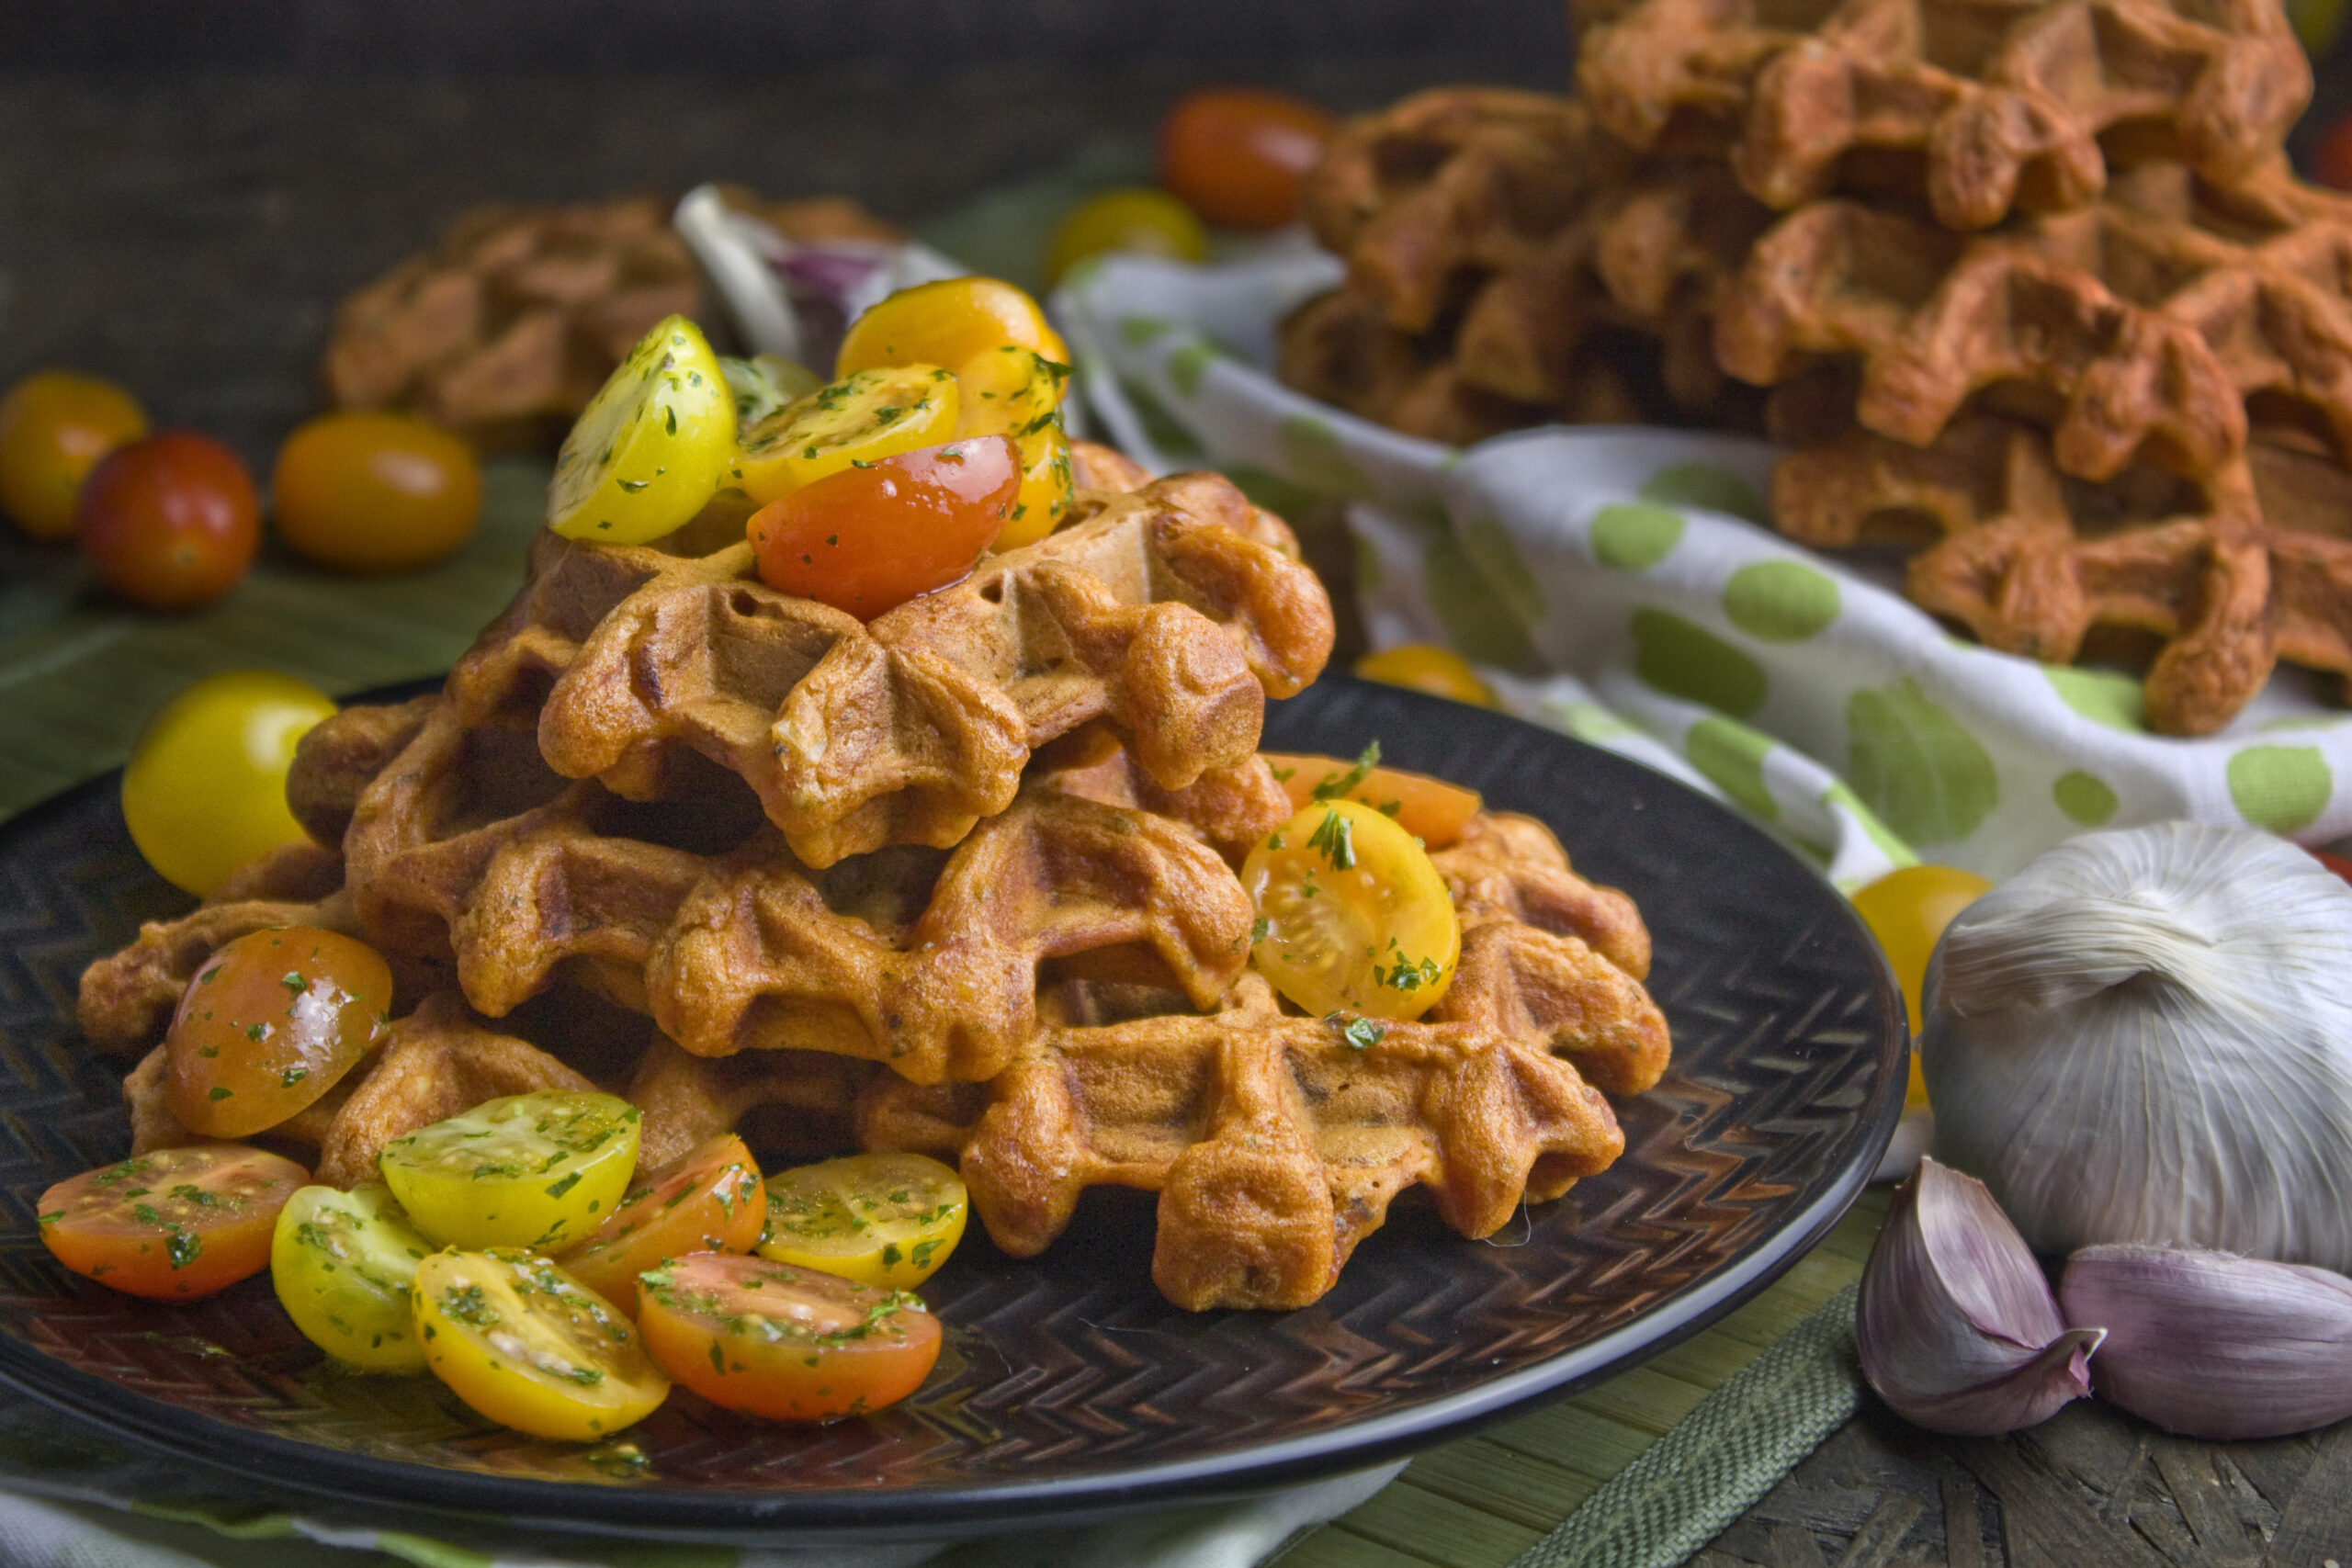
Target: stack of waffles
{"x": 2027, "y": 286}
{"x": 960, "y": 880}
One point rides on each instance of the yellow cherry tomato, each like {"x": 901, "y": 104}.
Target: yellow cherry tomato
{"x": 1351, "y": 915}
{"x": 862, "y": 419}
{"x": 949, "y": 322}
{"x": 1046, "y": 487}
{"x": 889, "y": 1220}
{"x": 1015, "y": 391}
{"x": 1424, "y": 667}
{"x": 652, "y": 444}
{"x": 344, "y": 1267}
{"x": 538, "y": 1170}
{"x": 205, "y": 791}
{"x": 1907, "y": 912}
{"x": 54, "y": 427}
{"x": 1140, "y": 220}
{"x": 528, "y": 1346}
{"x": 367, "y": 492}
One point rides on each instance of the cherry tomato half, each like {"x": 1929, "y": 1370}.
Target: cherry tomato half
{"x": 1138, "y": 220}
{"x": 54, "y": 427}
{"x": 1236, "y": 155}
{"x": 170, "y": 521}
{"x": 710, "y": 1199}
{"x": 528, "y": 1346}
{"x": 1431, "y": 809}
{"x": 1907, "y": 910}
{"x": 1351, "y": 915}
{"x": 173, "y": 1224}
{"x": 1425, "y": 667}
{"x": 370, "y": 492}
{"x": 868, "y": 539}
{"x": 269, "y": 1023}
{"x": 948, "y": 323}
{"x": 787, "y": 1343}
{"x": 205, "y": 791}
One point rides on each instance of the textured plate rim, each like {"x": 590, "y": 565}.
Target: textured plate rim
{"x": 720, "y": 1515}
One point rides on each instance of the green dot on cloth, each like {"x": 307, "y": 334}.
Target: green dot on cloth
{"x": 2084, "y": 798}
{"x": 1481, "y": 629}
{"x": 1731, "y": 755}
{"x": 1710, "y": 485}
{"x": 1186, "y": 365}
{"x": 1140, "y": 330}
{"x": 2283, "y": 788}
{"x": 1312, "y": 452}
{"x": 1780, "y": 601}
{"x": 1840, "y": 797}
{"x": 1683, "y": 660}
{"x": 1633, "y": 538}
{"x": 1496, "y": 555}
{"x": 2102, "y": 696}
{"x": 1589, "y": 721}
{"x": 1912, "y": 763}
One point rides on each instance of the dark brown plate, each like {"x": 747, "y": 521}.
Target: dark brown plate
{"x": 1069, "y": 1388}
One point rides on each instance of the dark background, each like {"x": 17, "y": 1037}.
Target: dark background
{"x": 186, "y": 186}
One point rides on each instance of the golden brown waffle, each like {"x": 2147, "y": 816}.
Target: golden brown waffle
{"x": 2230, "y": 574}
{"x": 339, "y": 756}
{"x": 1509, "y": 867}
{"x": 506, "y": 329}
{"x": 468, "y": 848}
{"x": 1508, "y": 265}
{"x": 1978, "y": 107}
{"x": 1171, "y": 612}
{"x": 2140, "y": 327}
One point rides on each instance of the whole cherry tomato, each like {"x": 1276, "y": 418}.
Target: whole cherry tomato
{"x": 204, "y": 790}
{"x": 868, "y": 539}
{"x": 1425, "y": 667}
{"x": 170, "y": 521}
{"x": 375, "y": 492}
{"x": 1907, "y": 910}
{"x": 1137, "y": 219}
{"x": 54, "y": 427}
{"x": 1236, "y": 154}
{"x": 2335, "y": 863}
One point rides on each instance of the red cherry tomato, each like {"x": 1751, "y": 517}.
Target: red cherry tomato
{"x": 2332, "y": 159}
{"x": 170, "y": 521}
{"x": 868, "y": 539}
{"x": 54, "y": 427}
{"x": 272, "y": 1021}
{"x": 368, "y": 493}
{"x": 710, "y": 1199}
{"x": 173, "y": 1224}
{"x": 1236, "y": 154}
{"x": 2335, "y": 863}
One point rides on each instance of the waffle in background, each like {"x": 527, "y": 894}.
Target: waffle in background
{"x": 504, "y": 329}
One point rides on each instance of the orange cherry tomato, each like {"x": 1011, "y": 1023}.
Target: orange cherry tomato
{"x": 868, "y": 539}
{"x": 950, "y": 323}
{"x": 368, "y": 493}
{"x": 1236, "y": 155}
{"x": 1425, "y": 667}
{"x": 173, "y": 1224}
{"x": 170, "y": 521}
{"x": 710, "y": 1199}
{"x": 784, "y": 1342}
{"x": 269, "y": 1023}
{"x": 54, "y": 427}
{"x": 1431, "y": 809}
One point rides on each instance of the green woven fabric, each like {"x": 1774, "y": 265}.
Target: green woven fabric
{"x": 1691, "y": 1484}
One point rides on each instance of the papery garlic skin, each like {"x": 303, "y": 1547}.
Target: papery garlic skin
{"x": 2215, "y": 1347}
{"x": 1957, "y": 1327}
{"x": 2146, "y": 1035}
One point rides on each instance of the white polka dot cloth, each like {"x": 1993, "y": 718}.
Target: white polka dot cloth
{"x": 1619, "y": 586}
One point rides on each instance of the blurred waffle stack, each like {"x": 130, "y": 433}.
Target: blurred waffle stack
{"x": 2027, "y": 287}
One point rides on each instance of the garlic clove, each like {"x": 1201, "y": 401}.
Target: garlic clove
{"x": 1957, "y": 1327}
{"x": 2212, "y": 1345}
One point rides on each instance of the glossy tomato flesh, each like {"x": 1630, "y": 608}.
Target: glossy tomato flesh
{"x": 367, "y": 492}
{"x": 1351, "y": 915}
{"x": 170, "y": 521}
{"x": 868, "y": 539}
{"x": 270, "y": 1023}
{"x": 710, "y": 1199}
{"x": 1431, "y": 809}
{"x": 1236, "y": 156}
{"x": 790, "y": 1344}
{"x": 173, "y": 1224}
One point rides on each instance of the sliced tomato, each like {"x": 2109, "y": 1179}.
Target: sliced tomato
{"x": 876, "y": 1219}
{"x": 868, "y": 539}
{"x": 652, "y": 444}
{"x": 528, "y": 1346}
{"x": 948, "y": 322}
{"x": 1351, "y": 915}
{"x": 789, "y": 1344}
{"x": 522, "y": 1170}
{"x": 858, "y": 420}
{"x": 343, "y": 1265}
{"x": 173, "y": 1224}
{"x": 710, "y": 1199}
{"x": 272, "y": 1021}
{"x": 1431, "y": 809}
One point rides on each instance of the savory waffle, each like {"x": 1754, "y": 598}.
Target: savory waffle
{"x": 1172, "y": 611}
{"x": 1979, "y": 108}
{"x": 2140, "y": 327}
{"x": 2230, "y": 574}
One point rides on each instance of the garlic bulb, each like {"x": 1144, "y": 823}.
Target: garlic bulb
{"x": 1957, "y": 1328}
{"x": 2146, "y": 1035}
{"x": 2216, "y": 1346}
